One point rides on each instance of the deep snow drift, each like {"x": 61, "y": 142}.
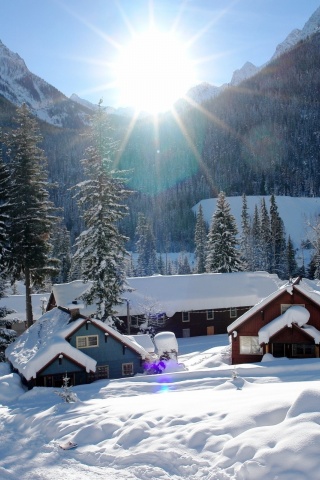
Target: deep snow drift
{"x": 213, "y": 421}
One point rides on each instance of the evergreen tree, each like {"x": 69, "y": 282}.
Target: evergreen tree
{"x": 255, "y": 262}
{"x": 161, "y": 265}
{"x": 200, "y": 240}
{"x": 291, "y": 264}
{"x": 100, "y": 250}
{"x": 29, "y": 208}
{"x": 62, "y": 251}
{"x": 314, "y": 237}
{"x": 4, "y": 194}
{"x": 222, "y": 253}
{"x": 245, "y": 249}
{"x": 146, "y": 248}
{"x": 183, "y": 265}
{"x": 278, "y": 241}
{"x": 265, "y": 237}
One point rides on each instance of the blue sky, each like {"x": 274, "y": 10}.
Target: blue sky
{"x": 72, "y": 44}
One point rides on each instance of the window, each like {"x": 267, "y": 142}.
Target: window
{"x": 301, "y": 350}
{"x": 127, "y": 369}
{"x": 285, "y": 306}
{"x": 88, "y": 341}
{"x": 185, "y": 317}
{"x": 210, "y": 314}
{"x": 102, "y": 371}
{"x": 233, "y": 312}
{"x": 250, "y": 346}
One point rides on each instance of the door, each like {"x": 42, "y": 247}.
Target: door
{"x": 185, "y": 332}
{"x": 210, "y": 330}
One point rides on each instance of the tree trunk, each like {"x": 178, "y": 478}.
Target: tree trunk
{"x": 29, "y": 316}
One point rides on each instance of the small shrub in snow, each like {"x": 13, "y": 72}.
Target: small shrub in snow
{"x": 66, "y": 393}
{"x": 169, "y": 355}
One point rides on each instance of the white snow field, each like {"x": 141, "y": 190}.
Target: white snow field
{"x": 212, "y": 421}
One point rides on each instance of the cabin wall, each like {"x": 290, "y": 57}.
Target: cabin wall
{"x": 268, "y": 313}
{"x": 198, "y": 323}
{"x": 109, "y": 352}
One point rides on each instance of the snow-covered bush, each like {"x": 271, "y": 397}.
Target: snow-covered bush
{"x": 66, "y": 393}
{"x": 166, "y": 345}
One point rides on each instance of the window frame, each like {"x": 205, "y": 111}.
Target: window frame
{"x": 124, "y": 366}
{"x": 183, "y": 317}
{"x": 80, "y": 338}
{"x": 233, "y": 312}
{"x": 210, "y": 317}
{"x": 252, "y": 347}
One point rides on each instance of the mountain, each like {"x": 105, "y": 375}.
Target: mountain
{"x": 247, "y": 71}
{"x": 260, "y": 139}
{"x": 203, "y": 92}
{"x": 312, "y": 25}
{"x": 18, "y": 85}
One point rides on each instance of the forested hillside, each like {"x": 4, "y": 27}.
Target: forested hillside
{"x": 258, "y": 138}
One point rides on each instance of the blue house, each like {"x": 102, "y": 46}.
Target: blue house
{"x": 84, "y": 348}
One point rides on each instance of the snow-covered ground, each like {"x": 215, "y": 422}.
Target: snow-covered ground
{"x": 200, "y": 423}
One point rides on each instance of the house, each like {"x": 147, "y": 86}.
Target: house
{"x": 17, "y": 304}
{"x": 187, "y": 305}
{"x": 194, "y": 305}
{"x": 284, "y": 324}
{"x": 85, "y": 348}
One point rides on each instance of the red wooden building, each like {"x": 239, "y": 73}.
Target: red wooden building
{"x": 273, "y": 326}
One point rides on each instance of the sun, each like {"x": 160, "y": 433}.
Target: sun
{"x": 153, "y": 71}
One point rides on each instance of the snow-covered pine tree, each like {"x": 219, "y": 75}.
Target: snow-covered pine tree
{"x": 4, "y": 194}
{"x": 145, "y": 247}
{"x": 222, "y": 253}
{"x": 30, "y": 211}
{"x": 256, "y": 248}
{"x": 100, "y": 249}
{"x": 245, "y": 240}
{"x": 183, "y": 264}
{"x": 62, "y": 251}
{"x": 291, "y": 263}
{"x": 200, "y": 240}
{"x": 7, "y": 335}
{"x": 278, "y": 240}
{"x": 265, "y": 237}
{"x": 314, "y": 238}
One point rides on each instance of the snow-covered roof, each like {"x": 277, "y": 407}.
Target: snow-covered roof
{"x": 297, "y": 314}
{"x": 46, "y": 339}
{"x": 18, "y": 304}
{"x": 144, "y": 340}
{"x": 178, "y": 293}
{"x": 66, "y": 294}
{"x": 310, "y": 288}
{"x": 42, "y": 342}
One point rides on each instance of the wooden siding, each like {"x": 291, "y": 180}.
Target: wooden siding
{"x": 269, "y": 312}
{"x": 198, "y": 322}
{"x": 110, "y": 351}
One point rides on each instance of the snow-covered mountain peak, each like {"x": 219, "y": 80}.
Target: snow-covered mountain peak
{"x": 243, "y": 73}
{"x": 312, "y": 25}
{"x": 19, "y": 85}
{"x": 289, "y": 42}
{"x": 202, "y": 92}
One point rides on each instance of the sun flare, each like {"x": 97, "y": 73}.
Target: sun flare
{"x": 153, "y": 71}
